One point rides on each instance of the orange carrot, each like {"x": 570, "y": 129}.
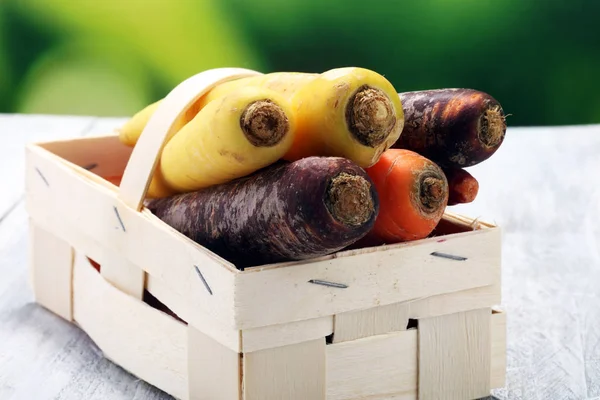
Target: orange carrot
{"x": 115, "y": 179}
{"x": 413, "y": 193}
{"x": 463, "y": 186}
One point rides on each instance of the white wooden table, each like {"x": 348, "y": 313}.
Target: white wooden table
{"x": 542, "y": 188}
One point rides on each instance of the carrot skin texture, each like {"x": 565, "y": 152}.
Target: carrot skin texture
{"x": 407, "y": 210}
{"x": 452, "y": 127}
{"x": 229, "y": 138}
{"x": 347, "y": 112}
{"x": 276, "y": 214}
{"x": 463, "y": 186}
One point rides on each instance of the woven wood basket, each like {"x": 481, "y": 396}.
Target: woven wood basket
{"x": 415, "y": 320}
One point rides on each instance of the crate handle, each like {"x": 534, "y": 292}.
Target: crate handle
{"x": 159, "y": 129}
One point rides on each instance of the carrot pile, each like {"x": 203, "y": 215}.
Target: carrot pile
{"x": 292, "y": 166}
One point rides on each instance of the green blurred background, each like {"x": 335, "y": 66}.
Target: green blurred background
{"x": 539, "y": 58}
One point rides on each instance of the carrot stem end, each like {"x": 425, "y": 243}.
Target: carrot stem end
{"x": 348, "y": 199}
{"x": 492, "y": 127}
{"x": 370, "y": 116}
{"x": 264, "y": 123}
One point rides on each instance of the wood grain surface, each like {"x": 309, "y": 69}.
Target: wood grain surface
{"x": 542, "y": 188}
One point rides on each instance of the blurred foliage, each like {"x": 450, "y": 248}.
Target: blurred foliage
{"x": 5, "y": 72}
{"x": 539, "y": 58}
{"x": 80, "y": 74}
{"x": 111, "y": 57}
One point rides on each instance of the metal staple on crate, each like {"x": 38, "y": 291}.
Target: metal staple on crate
{"x": 203, "y": 280}
{"x": 330, "y": 284}
{"x": 119, "y": 218}
{"x": 42, "y": 176}
{"x": 449, "y": 256}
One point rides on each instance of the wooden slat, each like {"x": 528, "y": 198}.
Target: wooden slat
{"x": 202, "y": 321}
{"x": 236, "y": 340}
{"x": 455, "y": 355}
{"x": 450, "y": 303}
{"x": 51, "y": 271}
{"x": 82, "y": 212}
{"x": 374, "y": 277}
{"x": 498, "y": 368}
{"x": 394, "y": 317}
{"x": 386, "y": 367}
{"x": 123, "y": 275}
{"x": 293, "y": 372}
{"x": 373, "y": 321}
{"x": 144, "y": 341}
{"x": 214, "y": 370}
{"x": 378, "y": 367}
{"x": 285, "y": 334}
{"x": 102, "y": 155}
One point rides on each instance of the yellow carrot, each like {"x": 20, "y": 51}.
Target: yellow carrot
{"x": 281, "y": 82}
{"x": 285, "y": 83}
{"x": 347, "y": 112}
{"x": 130, "y": 132}
{"x": 231, "y": 137}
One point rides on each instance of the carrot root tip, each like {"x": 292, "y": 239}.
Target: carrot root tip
{"x": 349, "y": 200}
{"x": 492, "y": 127}
{"x": 433, "y": 190}
{"x": 264, "y": 123}
{"x": 370, "y": 116}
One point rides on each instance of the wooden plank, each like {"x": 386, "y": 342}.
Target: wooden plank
{"x": 450, "y": 303}
{"x": 83, "y": 243}
{"x": 42, "y": 356}
{"x": 213, "y": 369}
{"x": 123, "y": 275}
{"x": 378, "y": 367}
{"x": 102, "y": 155}
{"x": 248, "y": 340}
{"x": 285, "y": 334}
{"x": 374, "y": 277}
{"x": 394, "y": 317}
{"x": 466, "y": 222}
{"x": 354, "y": 325}
{"x": 498, "y": 367}
{"x": 202, "y": 321}
{"x": 293, "y": 372}
{"x": 82, "y": 212}
{"x": 455, "y": 355}
{"x": 51, "y": 271}
{"x": 236, "y": 340}
{"x": 144, "y": 341}
{"x": 386, "y": 366}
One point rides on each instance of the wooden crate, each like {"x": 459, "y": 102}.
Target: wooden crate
{"x": 414, "y": 320}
